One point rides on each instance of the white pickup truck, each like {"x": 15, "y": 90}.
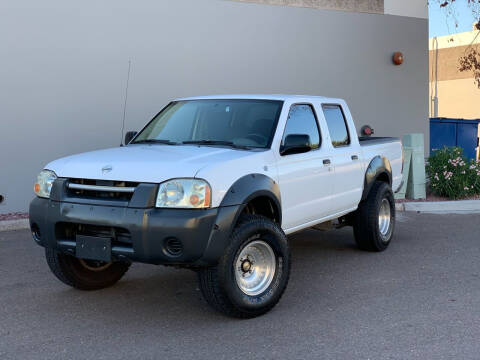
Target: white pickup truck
{"x": 215, "y": 184}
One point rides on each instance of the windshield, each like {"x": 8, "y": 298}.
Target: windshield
{"x": 236, "y": 123}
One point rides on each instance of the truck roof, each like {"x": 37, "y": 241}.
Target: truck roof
{"x": 282, "y": 97}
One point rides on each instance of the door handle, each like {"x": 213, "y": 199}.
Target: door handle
{"x": 326, "y": 162}
{"x": 354, "y": 157}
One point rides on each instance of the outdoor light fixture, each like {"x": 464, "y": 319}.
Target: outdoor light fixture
{"x": 398, "y": 58}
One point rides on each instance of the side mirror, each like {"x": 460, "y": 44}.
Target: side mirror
{"x": 296, "y": 144}
{"x": 129, "y": 136}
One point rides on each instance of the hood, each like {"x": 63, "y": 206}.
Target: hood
{"x": 153, "y": 163}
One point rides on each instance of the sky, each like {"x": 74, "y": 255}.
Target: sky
{"x": 442, "y": 23}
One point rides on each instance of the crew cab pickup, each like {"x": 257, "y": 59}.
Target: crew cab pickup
{"x": 215, "y": 184}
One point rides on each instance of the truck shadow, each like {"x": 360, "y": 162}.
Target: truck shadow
{"x": 324, "y": 267}
{"x": 166, "y": 297}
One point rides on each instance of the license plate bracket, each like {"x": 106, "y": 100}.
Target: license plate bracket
{"x": 93, "y": 248}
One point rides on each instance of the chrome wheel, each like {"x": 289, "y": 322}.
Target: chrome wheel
{"x": 384, "y": 218}
{"x": 255, "y": 268}
{"x": 94, "y": 265}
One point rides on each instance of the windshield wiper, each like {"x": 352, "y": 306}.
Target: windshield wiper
{"x": 217, "y": 142}
{"x": 155, "y": 141}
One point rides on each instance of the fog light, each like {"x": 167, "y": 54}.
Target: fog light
{"x": 173, "y": 247}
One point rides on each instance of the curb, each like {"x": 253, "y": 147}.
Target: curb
{"x": 442, "y": 207}
{"x": 19, "y": 224}
{"x": 399, "y": 206}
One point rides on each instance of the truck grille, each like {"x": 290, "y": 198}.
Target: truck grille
{"x": 101, "y": 189}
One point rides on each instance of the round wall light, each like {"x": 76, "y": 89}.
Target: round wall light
{"x": 398, "y": 58}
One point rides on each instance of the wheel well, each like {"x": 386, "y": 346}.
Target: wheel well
{"x": 383, "y": 177}
{"x": 264, "y": 206}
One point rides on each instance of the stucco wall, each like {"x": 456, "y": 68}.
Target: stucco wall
{"x": 458, "y": 99}
{"x": 373, "y": 6}
{"x": 444, "y": 64}
{"x": 412, "y": 8}
{"x": 64, "y": 64}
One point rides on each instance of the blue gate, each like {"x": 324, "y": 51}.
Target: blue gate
{"x": 454, "y": 132}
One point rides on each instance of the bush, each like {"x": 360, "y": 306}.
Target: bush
{"x": 452, "y": 175}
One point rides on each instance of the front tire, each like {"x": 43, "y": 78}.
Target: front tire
{"x": 374, "y": 221}
{"x": 84, "y": 274}
{"x": 253, "y": 273}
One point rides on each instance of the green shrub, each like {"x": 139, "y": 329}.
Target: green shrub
{"x": 452, "y": 175}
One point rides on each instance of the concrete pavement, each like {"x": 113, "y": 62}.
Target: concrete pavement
{"x": 418, "y": 300}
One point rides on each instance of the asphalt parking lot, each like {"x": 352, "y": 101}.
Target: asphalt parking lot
{"x": 418, "y": 300}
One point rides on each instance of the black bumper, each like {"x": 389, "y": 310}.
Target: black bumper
{"x": 148, "y": 235}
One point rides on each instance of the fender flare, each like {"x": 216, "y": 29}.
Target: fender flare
{"x": 236, "y": 198}
{"x": 250, "y": 187}
{"x": 377, "y": 167}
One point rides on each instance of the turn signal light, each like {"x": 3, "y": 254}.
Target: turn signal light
{"x": 208, "y": 196}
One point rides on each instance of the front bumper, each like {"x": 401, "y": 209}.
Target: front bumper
{"x": 139, "y": 234}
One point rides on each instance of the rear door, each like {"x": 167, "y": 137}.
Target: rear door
{"x": 346, "y": 158}
{"x": 305, "y": 183}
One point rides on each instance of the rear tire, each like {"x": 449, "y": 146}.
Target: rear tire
{"x": 84, "y": 274}
{"x": 374, "y": 220}
{"x": 253, "y": 273}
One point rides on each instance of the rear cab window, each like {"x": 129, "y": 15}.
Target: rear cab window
{"x": 337, "y": 125}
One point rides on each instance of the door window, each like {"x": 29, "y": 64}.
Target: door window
{"x": 302, "y": 120}
{"x": 337, "y": 126}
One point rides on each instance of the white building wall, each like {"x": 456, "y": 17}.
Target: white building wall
{"x": 413, "y": 8}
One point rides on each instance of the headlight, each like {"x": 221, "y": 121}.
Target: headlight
{"x": 44, "y": 183}
{"x": 184, "y": 193}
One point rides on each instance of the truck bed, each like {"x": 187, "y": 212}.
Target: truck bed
{"x": 389, "y": 147}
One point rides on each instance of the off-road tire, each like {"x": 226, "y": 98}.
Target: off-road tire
{"x": 70, "y": 271}
{"x": 218, "y": 283}
{"x": 366, "y": 219}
